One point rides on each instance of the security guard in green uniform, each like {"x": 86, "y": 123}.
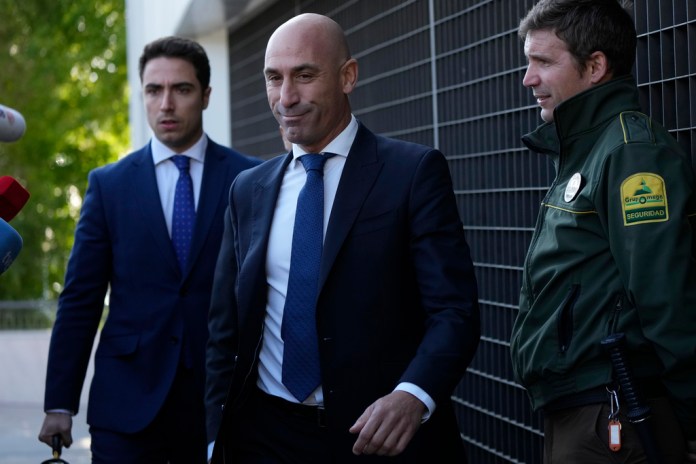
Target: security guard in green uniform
{"x": 613, "y": 251}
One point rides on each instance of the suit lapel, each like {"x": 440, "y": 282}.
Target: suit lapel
{"x": 144, "y": 183}
{"x": 264, "y": 193}
{"x": 359, "y": 174}
{"x": 266, "y": 190}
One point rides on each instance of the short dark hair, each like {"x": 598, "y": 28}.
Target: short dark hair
{"x": 587, "y": 26}
{"x": 178, "y": 47}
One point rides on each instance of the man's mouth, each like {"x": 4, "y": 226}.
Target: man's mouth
{"x": 292, "y": 116}
{"x": 541, "y": 99}
{"x": 168, "y": 123}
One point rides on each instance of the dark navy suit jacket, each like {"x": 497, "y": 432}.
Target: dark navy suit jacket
{"x": 157, "y": 313}
{"x": 397, "y": 301}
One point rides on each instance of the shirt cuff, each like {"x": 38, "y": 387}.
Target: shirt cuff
{"x": 419, "y": 393}
{"x": 211, "y": 445}
{"x": 60, "y": 411}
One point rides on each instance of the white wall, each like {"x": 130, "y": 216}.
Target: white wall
{"x": 151, "y": 19}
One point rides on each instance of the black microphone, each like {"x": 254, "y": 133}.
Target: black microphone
{"x": 10, "y": 245}
{"x": 12, "y": 125}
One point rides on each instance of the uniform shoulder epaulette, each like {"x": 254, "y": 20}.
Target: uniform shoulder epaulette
{"x": 637, "y": 127}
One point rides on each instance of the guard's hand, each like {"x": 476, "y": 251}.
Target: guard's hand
{"x": 388, "y": 424}
{"x": 690, "y": 451}
{"x": 56, "y": 423}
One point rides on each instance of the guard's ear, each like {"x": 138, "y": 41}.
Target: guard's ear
{"x": 598, "y": 67}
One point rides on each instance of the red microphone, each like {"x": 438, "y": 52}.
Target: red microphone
{"x": 12, "y": 197}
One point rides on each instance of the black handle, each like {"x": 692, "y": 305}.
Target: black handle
{"x": 57, "y": 445}
{"x": 638, "y": 411}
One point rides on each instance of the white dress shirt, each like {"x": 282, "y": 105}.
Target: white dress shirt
{"x": 167, "y": 173}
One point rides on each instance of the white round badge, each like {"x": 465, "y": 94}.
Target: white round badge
{"x": 573, "y": 187}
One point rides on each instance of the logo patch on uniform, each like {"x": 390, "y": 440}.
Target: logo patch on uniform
{"x": 644, "y": 199}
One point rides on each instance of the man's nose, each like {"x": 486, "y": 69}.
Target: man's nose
{"x": 288, "y": 93}
{"x": 530, "y": 78}
{"x": 167, "y": 101}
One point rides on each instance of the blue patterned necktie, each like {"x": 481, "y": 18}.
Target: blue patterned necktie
{"x": 301, "y": 372}
{"x": 184, "y": 213}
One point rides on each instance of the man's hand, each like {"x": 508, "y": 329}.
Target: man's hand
{"x": 56, "y": 424}
{"x": 388, "y": 424}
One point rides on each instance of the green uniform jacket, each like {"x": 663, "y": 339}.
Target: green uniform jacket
{"x": 613, "y": 251}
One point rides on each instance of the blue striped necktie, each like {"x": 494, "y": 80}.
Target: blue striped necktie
{"x": 301, "y": 372}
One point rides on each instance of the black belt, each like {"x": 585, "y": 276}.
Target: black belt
{"x": 648, "y": 387}
{"x": 314, "y": 414}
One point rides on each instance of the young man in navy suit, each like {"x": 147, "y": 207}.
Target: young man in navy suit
{"x": 146, "y": 398}
{"x": 392, "y": 304}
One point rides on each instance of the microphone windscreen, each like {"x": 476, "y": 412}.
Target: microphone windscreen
{"x": 12, "y": 125}
{"x": 10, "y": 245}
{"x": 13, "y": 197}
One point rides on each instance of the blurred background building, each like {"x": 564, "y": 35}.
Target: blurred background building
{"x": 446, "y": 73}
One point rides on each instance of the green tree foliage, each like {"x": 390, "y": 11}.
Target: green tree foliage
{"x": 63, "y": 66}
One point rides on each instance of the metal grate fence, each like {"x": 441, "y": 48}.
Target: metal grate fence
{"x": 448, "y": 73}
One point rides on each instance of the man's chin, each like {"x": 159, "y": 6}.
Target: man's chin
{"x": 547, "y": 115}
{"x": 294, "y": 135}
{"x": 171, "y": 142}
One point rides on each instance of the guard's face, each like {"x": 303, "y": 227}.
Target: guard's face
{"x": 552, "y": 72}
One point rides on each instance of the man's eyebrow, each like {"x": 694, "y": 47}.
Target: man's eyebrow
{"x": 305, "y": 67}
{"x": 295, "y": 70}
{"x": 537, "y": 56}
{"x": 156, "y": 85}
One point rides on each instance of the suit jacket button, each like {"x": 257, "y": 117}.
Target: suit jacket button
{"x": 174, "y": 339}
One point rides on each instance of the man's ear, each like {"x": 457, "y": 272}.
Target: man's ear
{"x": 349, "y": 75}
{"x": 206, "y": 97}
{"x": 598, "y": 67}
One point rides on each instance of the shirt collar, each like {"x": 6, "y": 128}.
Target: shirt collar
{"x": 340, "y": 145}
{"x": 161, "y": 152}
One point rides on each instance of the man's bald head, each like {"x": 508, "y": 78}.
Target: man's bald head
{"x": 320, "y": 33}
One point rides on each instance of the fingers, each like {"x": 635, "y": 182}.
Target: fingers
{"x": 387, "y": 426}
{"x": 359, "y": 428}
{"x": 56, "y": 424}
{"x": 387, "y": 443}
{"x": 384, "y": 436}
